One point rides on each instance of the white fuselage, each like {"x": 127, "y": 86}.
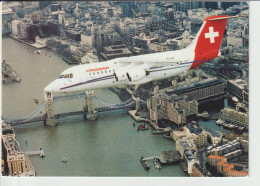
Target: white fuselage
{"x": 101, "y": 75}
{"x": 141, "y": 69}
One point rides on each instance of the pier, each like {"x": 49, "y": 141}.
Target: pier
{"x": 151, "y": 158}
{"x": 39, "y": 152}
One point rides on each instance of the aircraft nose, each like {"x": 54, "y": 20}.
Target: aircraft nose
{"x": 52, "y": 87}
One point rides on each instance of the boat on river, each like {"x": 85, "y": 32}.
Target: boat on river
{"x": 145, "y": 164}
{"x": 142, "y": 127}
{"x": 157, "y": 164}
{"x": 64, "y": 160}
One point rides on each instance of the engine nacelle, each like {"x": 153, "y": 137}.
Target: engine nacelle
{"x": 120, "y": 76}
{"x": 136, "y": 75}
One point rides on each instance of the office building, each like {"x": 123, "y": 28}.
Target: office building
{"x": 236, "y": 87}
{"x": 197, "y": 134}
{"x": 199, "y": 171}
{"x": 36, "y": 17}
{"x": 202, "y": 91}
{"x": 128, "y": 9}
{"x": 144, "y": 41}
{"x": 115, "y": 51}
{"x": 7, "y": 17}
{"x": 40, "y": 30}
{"x": 185, "y": 144}
{"x": 184, "y": 40}
{"x": 234, "y": 116}
{"x": 174, "y": 108}
{"x": 74, "y": 35}
{"x": 55, "y": 7}
{"x": 13, "y": 156}
{"x": 54, "y": 27}
{"x": 188, "y": 152}
{"x": 226, "y": 148}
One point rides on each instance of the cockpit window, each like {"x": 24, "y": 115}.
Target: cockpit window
{"x": 61, "y": 76}
{"x": 66, "y": 76}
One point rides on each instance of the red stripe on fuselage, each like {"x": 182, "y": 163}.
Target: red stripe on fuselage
{"x": 209, "y": 40}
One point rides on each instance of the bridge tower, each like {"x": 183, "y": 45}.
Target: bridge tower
{"x": 137, "y": 103}
{"x": 50, "y": 120}
{"x": 89, "y": 109}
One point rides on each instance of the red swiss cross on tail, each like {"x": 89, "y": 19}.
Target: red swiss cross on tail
{"x": 211, "y": 35}
{"x": 208, "y": 40}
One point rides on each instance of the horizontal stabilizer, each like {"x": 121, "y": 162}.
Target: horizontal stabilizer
{"x": 219, "y": 18}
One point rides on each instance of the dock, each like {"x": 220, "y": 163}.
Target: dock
{"x": 137, "y": 118}
{"x": 166, "y": 157}
{"x": 170, "y": 157}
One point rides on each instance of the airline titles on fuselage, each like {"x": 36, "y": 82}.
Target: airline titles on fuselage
{"x": 97, "y": 69}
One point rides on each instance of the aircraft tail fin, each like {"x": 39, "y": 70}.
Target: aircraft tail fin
{"x": 208, "y": 40}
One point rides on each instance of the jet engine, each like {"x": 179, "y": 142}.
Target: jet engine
{"x": 136, "y": 75}
{"x": 120, "y": 76}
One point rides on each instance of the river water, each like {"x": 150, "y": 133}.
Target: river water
{"x": 109, "y": 146}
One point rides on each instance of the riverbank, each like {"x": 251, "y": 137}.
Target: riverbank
{"x": 35, "y": 45}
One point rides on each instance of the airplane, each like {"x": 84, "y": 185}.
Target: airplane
{"x": 136, "y": 70}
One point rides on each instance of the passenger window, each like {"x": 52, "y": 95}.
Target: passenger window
{"x": 101, "y": 72}
{"x": 66, "y": 75}
{"x": 109, "y": 70}
{"x": 71, "y": 75}
{"x": 105, "y": 71}
{"x": 94, "y": 73}
{"x": 90, "y": 73}
{"x": 97, "y": 72}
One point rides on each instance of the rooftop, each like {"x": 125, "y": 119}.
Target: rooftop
{"x": 203, "y": 171}
{"x": 190, "y": 154}
{"x": 196, "y": 130}
{"x": 11, "y": 145}
{"x": 216, "y": 157}
{"x": 194, "y": 86}
{"x": 240, "y": 83}
{"x": 187, "y": 143}
{"x": 7, "y": 129}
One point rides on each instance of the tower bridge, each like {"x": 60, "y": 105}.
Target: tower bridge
{"x": 45, "y": 110}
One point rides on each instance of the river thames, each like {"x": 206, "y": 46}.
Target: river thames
{"x": 109, "y": 146}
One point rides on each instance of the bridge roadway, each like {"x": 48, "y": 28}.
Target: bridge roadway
{"x": 125, "y": 105}
{"x": 100, "y": 106}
